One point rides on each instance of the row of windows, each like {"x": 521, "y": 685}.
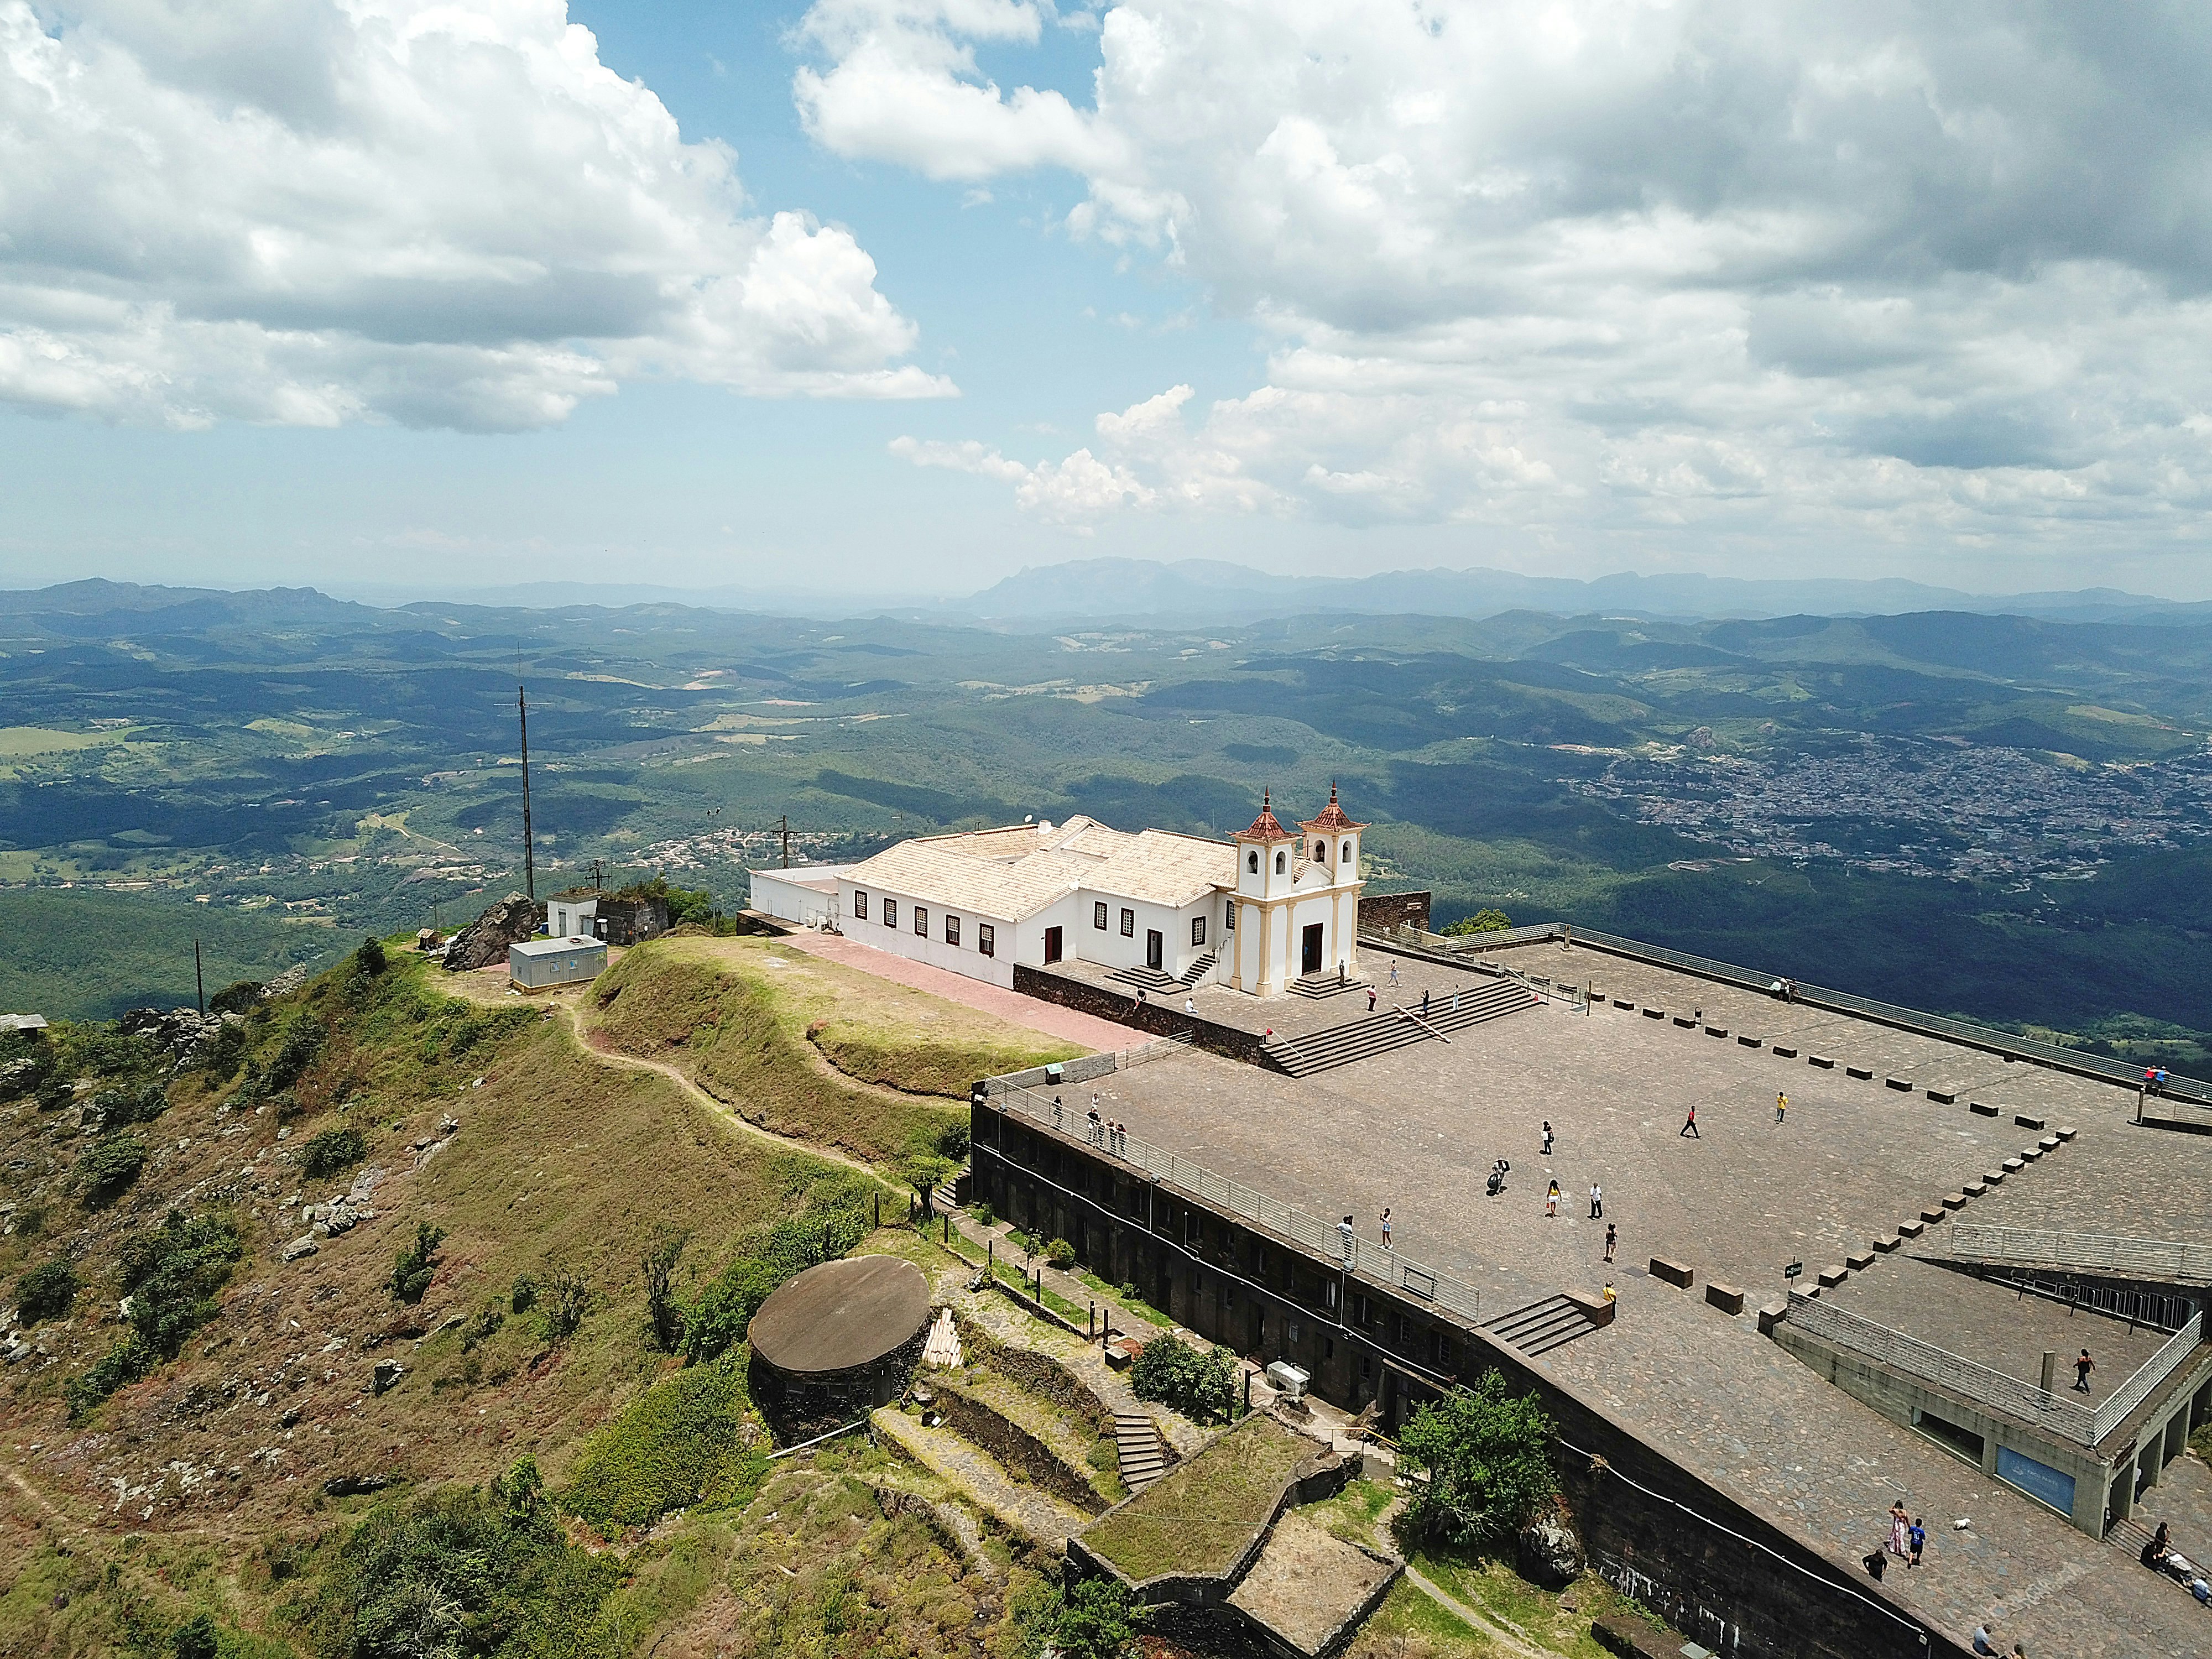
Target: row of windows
{"x": 987, "y": 938}
{"x": 1129, "y": 922}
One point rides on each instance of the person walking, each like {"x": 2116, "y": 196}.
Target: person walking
{"x": 1454, "y": 1007}
{"x": 1425, "y": 1003}
{"x": 1781, "y": 1106}
{"x": 1612, "y": 1237}
{"x": 1547, "y": 1138}
{"x": 1597, "y": 1202}
{"x": 1901, "y": 1530}
{"x": 2083, "y": 1367}
{"x": 1690, "y": 1125}
{"x": 1918, "y": 1538}
{"x": 1386, "y": 1227}
{"x": 1370, "y": 998}
{"x": 1552, "y": 1201}
{"x": 1394, "y": 972}
{"x": 1056, "y": 1122}
{"x": 1344, "y": 1239}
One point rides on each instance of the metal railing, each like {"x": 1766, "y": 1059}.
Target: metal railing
{"x": 1087, "y": 1067}
{"x": 2184, "y": 1090}
{"x": 2159, "y": 1259}
{"x": 1369, "y": 1262}
{"x": 2070, "y": 1419}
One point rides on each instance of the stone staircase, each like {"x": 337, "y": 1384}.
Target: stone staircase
{"x": 1542, "y": 1326}
{"x": 1136, "y": 1438}
{"x": 1152, "y": 978}
{"x": 1199, "y": 969}
{"x": 1324, "y": 985}
{"x": 1387, "y": 1029}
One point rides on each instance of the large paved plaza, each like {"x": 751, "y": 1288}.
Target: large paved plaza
{"x": 1415, "y": 1130}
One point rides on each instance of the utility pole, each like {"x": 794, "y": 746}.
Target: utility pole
{"x": 786, "y": 841}
{"x": 529, "y": 854}
{"x": 199, "y": 979}
{"x": 598, "y": 881}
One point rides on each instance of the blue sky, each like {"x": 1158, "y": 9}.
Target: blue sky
{"x": 377, "y": 301}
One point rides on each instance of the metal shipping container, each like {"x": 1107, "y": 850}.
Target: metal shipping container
{"x": 546, "y": 961}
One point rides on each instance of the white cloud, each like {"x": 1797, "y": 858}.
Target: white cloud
{"x": 1896, "y": 273}
{"x": 317, "y": 211}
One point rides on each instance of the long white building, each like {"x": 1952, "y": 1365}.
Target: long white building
{"x": 1265, "y": 907}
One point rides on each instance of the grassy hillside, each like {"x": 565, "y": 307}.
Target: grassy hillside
{"x": 805, "y": 1048}
{"x": 253, "y": 1468}
{"x": 76, "y": 953}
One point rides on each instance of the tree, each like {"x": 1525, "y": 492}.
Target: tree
{"x": 46, "y": 1291}
{"x": 1488, "y": 1459}
{"x": 196, "y": 1639}
{"x": 661, "y": 1304}
{"x": 1201, "y": 1386}
{"x": 925, "y": 1172}
{"x": 1482, "y": 921}
{"x": 1097, "y": 1620}
{"x": 370, "y": 957}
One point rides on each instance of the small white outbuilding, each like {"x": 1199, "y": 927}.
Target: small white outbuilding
{"x": 538, "y": 965}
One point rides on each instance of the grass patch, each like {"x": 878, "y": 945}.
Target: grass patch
{"x": 1199, "y": 1516}
{"x": 1125, "y": 1298}
{"x": 1355, "y": 1513}
{"x": 1491, "y": 1587}
{"x": 1410, "y": 1625}
{"x": 688, "y": 1442}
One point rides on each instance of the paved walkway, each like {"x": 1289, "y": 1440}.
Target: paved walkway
{"x": 1098, "y": 1035}
{"x": 1036, "y": 1513}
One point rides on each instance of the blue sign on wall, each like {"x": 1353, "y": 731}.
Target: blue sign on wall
{"x": 2036, "y": 1479}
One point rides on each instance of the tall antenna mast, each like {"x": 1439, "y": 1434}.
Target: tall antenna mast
{"x": 528, "y": 853}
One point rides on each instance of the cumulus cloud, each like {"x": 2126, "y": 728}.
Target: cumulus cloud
{"x": 1900, "y": 270}
{"x": 316, "y": 212}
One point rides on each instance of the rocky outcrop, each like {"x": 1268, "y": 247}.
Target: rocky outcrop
{"x": 180, "y": 1033}
{"x": 1548, "y": 1552}
{"x": 347, "y": 1210}
{"x": 484, "y": 942}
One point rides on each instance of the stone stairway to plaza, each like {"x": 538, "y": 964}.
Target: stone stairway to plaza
{"x": 1156, "y": 980}
{"x": 1393, "y": 1027}
{"x": 1325, "y": 985}
{"x": 1136, "y": 1438}
{"x": 1542, "y": 1326}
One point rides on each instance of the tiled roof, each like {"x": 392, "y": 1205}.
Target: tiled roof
{"x": 1331, "y": 816}
{"x": 1007, "y": 890}
{"x": 1161, "y": 867}
{"x": 1016, "y": 872}
{"x": 1266, "y": 827}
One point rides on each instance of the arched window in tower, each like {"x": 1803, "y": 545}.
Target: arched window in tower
{"x": 1251, "y": 863}
{"x": 1320, "y": 852}
{"x": 1279, "y": 857}
{"x": 1346, "y": 857}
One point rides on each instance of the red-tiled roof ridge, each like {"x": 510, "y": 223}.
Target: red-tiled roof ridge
{"x": 1266, "y": 827}
{"x": 1331, "y": 816}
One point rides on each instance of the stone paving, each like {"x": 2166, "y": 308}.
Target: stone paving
{"x": 1011, "y": 1006}
{"x": 1416, "y": 1129}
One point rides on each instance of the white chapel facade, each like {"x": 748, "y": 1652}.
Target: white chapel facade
{"x": 1173, "y": 912}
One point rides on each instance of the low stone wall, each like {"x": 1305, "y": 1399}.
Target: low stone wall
{"x": 1159, "y": 1019}
{"x": 1020, "y": 1452}
{"x": 1395, "y": 910}
{"x": 1040, "y": 1373}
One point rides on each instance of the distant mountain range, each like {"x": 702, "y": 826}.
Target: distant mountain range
{"x": 1204, "y": 590}
{"x": 1194, "y": 592}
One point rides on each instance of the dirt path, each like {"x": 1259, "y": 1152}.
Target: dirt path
{"x": 1511, "y": 1641}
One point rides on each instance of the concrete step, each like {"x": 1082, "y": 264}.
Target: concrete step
{"x": 1325, "y": 985}
{"x": 1551, "y": 1323}
{"x": 1386, "y": 1029}
{"x": 1151, "y": 979}
{"x": 1199, "y": 969}
{"x": 1137, "y": 1440}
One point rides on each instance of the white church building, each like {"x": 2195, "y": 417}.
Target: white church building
{"x": 1266, "y": 908}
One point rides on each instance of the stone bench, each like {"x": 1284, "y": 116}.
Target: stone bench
{"x": 1751, "y": 1041}
{"x": 1994, "y": 1177}
{"x": 1943, "y": 1097}
{"x": 1887, "y": 1243}
{"x": 1771, "y": 1315}
{"x": 2049, "y": 1143}
{"x": 1980, "y": 1110}
{"x": 2029, "y": 1154}
{"x": 1684, "y": 1021}
{"x": 1674, "y": 1272}
{"x": 1726, "y": 1298}
{"x": 2026, "y": 1122}
{"x": 1955, "y": 1201}
{"x": 1864, "y": 1073}
{"x": 1833, "y": 1276}
{"x": 1716, "y": 1030}
{"x": 1934, "y": 1213}
{"x": 1902, "y": 1084}
{"x": 1909, "y": 1229}
{"x": 1784, "y": 1051}
{"x": 1859, "y": 1261}
{"x": 1820, "y": 1060}
{"x": 1623, "y": 1002}
{"x": 2013, "y": 1165}
{"x": 1655, "y": 1013}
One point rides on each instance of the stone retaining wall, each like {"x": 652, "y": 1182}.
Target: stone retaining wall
{"x": 1019, "y": 1451}
{"x": 1395, "y": 910}
{"x": 1159, "y": 1018}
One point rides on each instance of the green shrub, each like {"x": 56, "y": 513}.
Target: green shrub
{"x": 1060, "y": 1253}
{"x": 984, "y": 1214}
{"x": 197, "y": 1638}
{"x": 1201, "y": 1386}
{"x": 1482, "y": 921}
{"x": 684, "y": 1443}
{"x": 109, "y": 1165}
{"x": 241, "y": 997}
{"x": 716, "y": 1319}
{"x": 567, "y": 1300}
{"x": 413, "y": 1268}
{"x": 523, "y": 1295}
{"x": 482, "y": 1328}
{"x": 119, "y": 1108}
{"x": 369, "y": 959}
{"x": 465, "y": 1571}
{"x": 835, "y": 1220}
{"x": 170, "y": 1277}
{"x": 46, "y": 1291}
{"x": 1093, "y": 1618}
{"x": 333, "y": 1150}
{"x": 1487, "y": 1456}
{"x": 303, "y": 1039}
{"x": 664, "y": 1314}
